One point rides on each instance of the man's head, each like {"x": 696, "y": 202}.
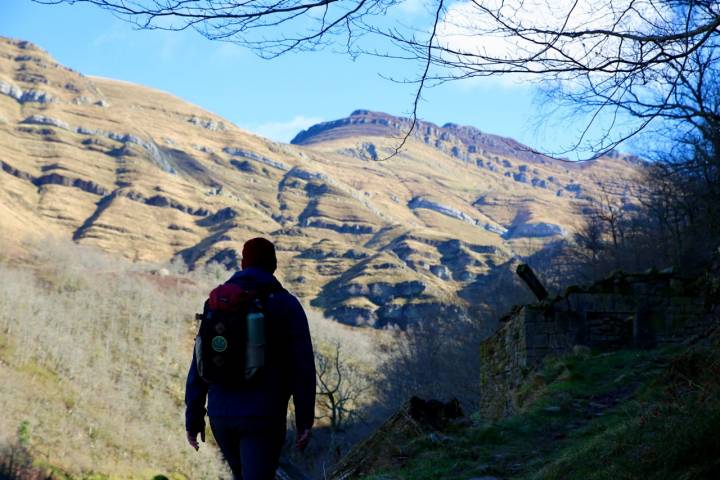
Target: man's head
{"x": 259, "y": 252}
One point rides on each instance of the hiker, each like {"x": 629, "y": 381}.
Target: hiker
{"x": 248, "y": 420}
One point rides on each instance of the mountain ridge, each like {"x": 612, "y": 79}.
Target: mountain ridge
{"x": 144, "y": 174}
{"x": 460, "y": 141}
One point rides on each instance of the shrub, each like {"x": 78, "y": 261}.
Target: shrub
{"x": 94, "y": 352}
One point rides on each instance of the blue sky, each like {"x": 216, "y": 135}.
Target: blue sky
{"x": 275, "y": 98}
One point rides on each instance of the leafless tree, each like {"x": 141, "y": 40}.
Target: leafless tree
{"x": 434, "y": 360}
{"x": 609, "y": 208}
{"x": 269, "y": 27}
{"x": 590, "y": 239}
{"x": 644, "y": 60}
{"x": 684, "y": 202}
{"x": 613, "y": 221}
{"x": 672, "y": 219}
{"x": 340, "y": 387}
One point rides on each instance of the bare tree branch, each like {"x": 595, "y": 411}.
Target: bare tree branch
{"x": 629, "y": 60}
{"x": 421, "y": 82}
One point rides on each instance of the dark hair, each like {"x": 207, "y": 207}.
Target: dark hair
{"x": 259, "y": 252}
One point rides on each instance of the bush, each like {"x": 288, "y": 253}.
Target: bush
{"x": 93, "y": 353}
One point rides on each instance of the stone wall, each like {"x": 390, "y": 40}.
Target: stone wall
{"x": 624, "y": 311}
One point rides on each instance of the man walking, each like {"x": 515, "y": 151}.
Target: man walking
{"x": 249, "y": 420}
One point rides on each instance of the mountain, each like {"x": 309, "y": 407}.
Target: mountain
{"x": 368, "y": 239}
{"x": 463, "y": 142}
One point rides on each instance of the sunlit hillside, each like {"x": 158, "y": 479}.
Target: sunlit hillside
{"x": 94, "y": 352}
{"x": 369, "y": 240}
{"x": 93, "y": 356}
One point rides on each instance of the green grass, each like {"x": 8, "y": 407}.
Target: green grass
{"x": 628, "y": 414}
{"x": 671, "y": 430}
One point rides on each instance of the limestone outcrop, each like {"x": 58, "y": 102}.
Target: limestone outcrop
{"x": 370, "y": 241}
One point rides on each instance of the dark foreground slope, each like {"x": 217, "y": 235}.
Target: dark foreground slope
{"x": 627, "y": 414}
{"x": 600, "y": 414}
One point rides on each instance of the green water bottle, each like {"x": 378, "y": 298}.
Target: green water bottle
{"x": 255, "y": 348}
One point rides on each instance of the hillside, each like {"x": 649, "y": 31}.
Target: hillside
{"x": 148, "y": 176}
{"x": 94, "y": 352}
{"x": 634, "y": 394}
{"x": 618, "y": 415}
{"x": 93, "y": 355}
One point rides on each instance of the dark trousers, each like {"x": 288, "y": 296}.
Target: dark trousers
{"x": 251, "y": 446}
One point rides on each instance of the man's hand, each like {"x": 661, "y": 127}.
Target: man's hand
{"x": 192, "y": 439}
{"x": 302, "y": 439}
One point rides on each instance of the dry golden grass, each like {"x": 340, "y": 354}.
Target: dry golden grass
{"x": 93, "y": 356}
{"x": 335, "y": 188}
{"x": 94, "y": 351}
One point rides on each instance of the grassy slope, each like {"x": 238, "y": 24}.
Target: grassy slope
{"x": 93, "y": 354}
{"x": 623, "y": 415}
{"x": 347, "y": 191}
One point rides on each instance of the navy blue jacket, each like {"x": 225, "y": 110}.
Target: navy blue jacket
{"x": 289, "y": 370}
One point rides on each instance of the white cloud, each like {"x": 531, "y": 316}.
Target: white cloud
{"x": 507, "y": 81}
{"x": 468, "y": 29}
{"x": 412, "y": 7}
{"x": 170, "y": 46}
{"x": 117, "y": 33}
{"x": 284, "y": 131}
{"x": 163, "y": 45}
{"x": 228, "y": 52}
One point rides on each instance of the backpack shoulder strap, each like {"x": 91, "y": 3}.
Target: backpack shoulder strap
{"x": 269, "y": 290}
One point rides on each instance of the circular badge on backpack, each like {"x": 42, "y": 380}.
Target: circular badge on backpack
{"x": 219, "y": 344}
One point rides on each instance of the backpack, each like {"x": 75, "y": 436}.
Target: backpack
{"x": 230, "y": 344}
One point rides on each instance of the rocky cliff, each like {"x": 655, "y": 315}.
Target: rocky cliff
{"x": 464, "y": 142}
{"x": 143, "y": 174}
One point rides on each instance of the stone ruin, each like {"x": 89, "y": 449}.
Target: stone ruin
{"x": 624, "y": 311}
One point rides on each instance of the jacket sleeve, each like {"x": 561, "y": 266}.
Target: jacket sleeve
{"x": 195, "y": 395}
{"x": 303, "y": 368}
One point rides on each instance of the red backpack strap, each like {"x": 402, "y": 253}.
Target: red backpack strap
{"x": 229, "y": 296}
